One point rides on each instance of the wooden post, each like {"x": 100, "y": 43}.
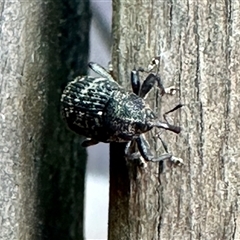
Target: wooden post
{"x": 42, "y": 166}
{"x": 198, "y": 43}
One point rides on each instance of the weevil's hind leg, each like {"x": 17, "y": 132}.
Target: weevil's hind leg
{"x": 146, "y": 153}
{"x": 172, "y": 110}
{"x": 100, "y": 70}
{"x": 89, "y": 142}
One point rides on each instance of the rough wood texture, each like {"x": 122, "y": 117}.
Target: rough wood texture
{"x": 199, "y": 46}
{"x": 41, "y": 164}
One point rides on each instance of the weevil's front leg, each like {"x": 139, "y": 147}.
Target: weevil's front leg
{"x": 89, "y": 142}
{"x": 149, "y": 83}
{"x": 155, "y": 62}
{"x": 174, "y": 159}
{"x": 135, "y": 80}
{"x": 145, "y": 151}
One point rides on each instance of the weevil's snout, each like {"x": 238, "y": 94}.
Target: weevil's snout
{"x": 167, "y": 126}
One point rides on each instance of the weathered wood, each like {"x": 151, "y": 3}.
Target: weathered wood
{"x": 198, "y": 42}
{"x": 42, "y": 166}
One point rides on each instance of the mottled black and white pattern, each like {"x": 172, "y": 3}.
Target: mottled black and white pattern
{"x": 99, "y": 108}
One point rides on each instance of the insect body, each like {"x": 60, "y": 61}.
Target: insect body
{"x": 101, "y": 110}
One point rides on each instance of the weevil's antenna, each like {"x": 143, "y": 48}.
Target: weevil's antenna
{"x": 172, "y": 110}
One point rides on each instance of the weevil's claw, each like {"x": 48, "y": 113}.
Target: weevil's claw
{"x": 142, "y": 163}
{"x": 176, "y": 161}
{"x": 171, "y": 90}
{"x": 155, "y": 62}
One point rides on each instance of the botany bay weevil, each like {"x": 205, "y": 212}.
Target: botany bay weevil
{"x": 101, "y": 110}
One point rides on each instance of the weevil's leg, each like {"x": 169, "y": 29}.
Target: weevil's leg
{"x": 148, "y": 84}
{"x": 100, "y": 70}
{"x": 135, "y": 81}
{"x": 150, "y": 81}
{"x": 167, "y": 126}
{"x": 132, "y": 153}
{"x": 146, "y": 153}
{"x": 172, "y": 110}
{"x": 173, "y": 159}
{"x": 156, "y": 63}
{"x": 89, "y": 142}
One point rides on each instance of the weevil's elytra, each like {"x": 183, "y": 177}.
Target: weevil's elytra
{"x": 99, "y": 109}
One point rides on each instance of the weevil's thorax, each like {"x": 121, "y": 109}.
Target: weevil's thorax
{"x": 127, "y": 116}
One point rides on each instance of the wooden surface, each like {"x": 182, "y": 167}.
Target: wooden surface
{"x": 42, "y": 166}
{"x": 198, "y": 42}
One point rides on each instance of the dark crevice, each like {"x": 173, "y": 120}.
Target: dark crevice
{"x": 200, "y": 123}
{"x": 170, "y": 19}
{"x": 228, "y": 82}
{"x": 234, "y": 227}
{"x": 180, "y": 70}
{"x": 63, "y": 161}
{"x": 227, "y": 94}
{"x": 160, "y": 209}
{"x": 197, "y": 85}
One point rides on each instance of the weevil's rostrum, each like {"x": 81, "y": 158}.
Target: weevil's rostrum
{"x": 100, "y": 109}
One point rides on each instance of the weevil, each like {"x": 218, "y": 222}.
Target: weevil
{"x": 101, "y": 110}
